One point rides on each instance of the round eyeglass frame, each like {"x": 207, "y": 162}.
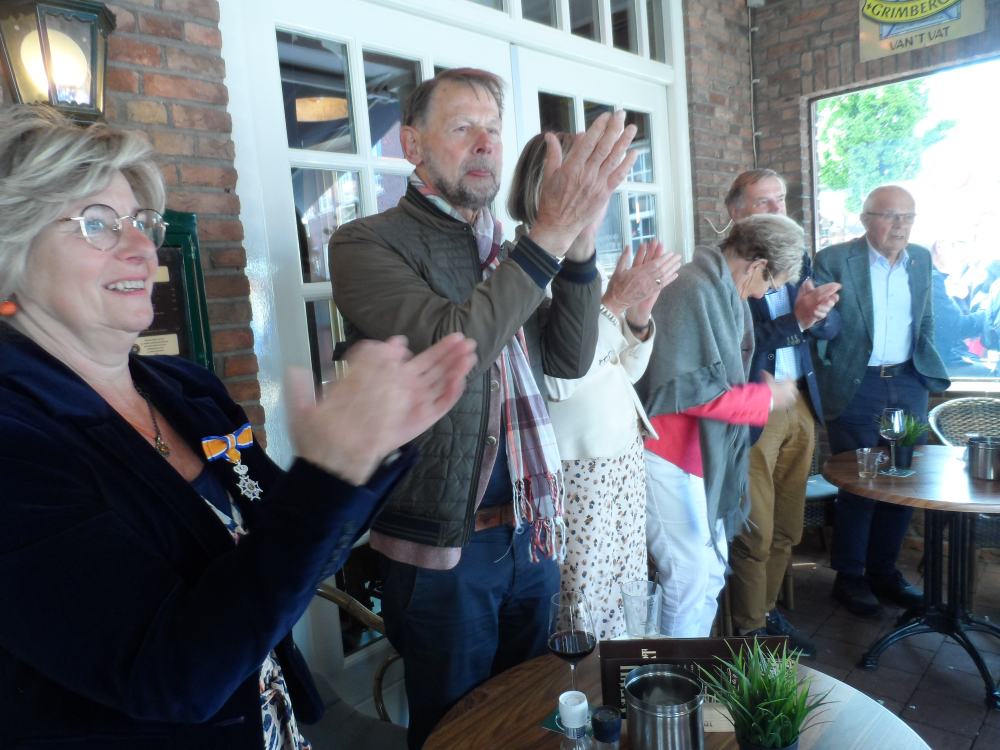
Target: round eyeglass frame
{"x": 158, "y": 224}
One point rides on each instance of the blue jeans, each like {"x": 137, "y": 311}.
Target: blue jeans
{"x": 868, "y": 534}
{"x": 457, "y": 628}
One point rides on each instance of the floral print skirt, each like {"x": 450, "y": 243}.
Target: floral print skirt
{"x": 605, "y": 513}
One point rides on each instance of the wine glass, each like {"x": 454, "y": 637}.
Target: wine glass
{"x": 571, "y": 629}
{"x": 892, "y": 428}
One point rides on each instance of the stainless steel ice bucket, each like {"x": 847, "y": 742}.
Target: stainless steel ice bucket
{"x": 984, "y": 457}
{"x": 664, "y": 708}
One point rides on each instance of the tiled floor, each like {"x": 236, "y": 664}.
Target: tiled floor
{"x": 928, "y": 680}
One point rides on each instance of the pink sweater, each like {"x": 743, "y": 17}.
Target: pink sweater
{"x": 679, "y": 443}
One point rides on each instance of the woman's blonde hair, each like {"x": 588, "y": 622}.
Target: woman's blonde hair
{"x": 46, "y": 162}
{"x": 775, "y": 238}
{"x": 526, "y": 187}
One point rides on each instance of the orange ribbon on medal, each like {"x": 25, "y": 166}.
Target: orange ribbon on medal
{"x": 219, "y": 446}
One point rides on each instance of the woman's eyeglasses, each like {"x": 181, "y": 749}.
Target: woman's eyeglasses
{"x": 101, "y": 226}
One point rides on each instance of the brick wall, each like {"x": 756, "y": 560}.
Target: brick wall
{"x": 718, "y": 81}
{"x": 807, "y": 49}
{"x": 166, "y": 81}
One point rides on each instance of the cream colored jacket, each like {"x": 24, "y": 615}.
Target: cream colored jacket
{"x": 599, "y": 415}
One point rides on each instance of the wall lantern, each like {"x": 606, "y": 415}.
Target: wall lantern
{"x": 56, "y": 53}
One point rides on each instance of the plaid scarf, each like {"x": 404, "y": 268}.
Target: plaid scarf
{"x": 533, "y": 457}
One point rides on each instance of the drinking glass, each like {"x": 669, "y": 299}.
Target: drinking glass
{"x": 571, "y": 629}
{"x": 892, "y": 428}
{"x": 868, "y": 461}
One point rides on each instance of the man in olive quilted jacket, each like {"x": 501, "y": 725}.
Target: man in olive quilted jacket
{"x": 468, "y": 541}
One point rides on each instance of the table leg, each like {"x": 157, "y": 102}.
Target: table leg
{"x": 952, "y": 618}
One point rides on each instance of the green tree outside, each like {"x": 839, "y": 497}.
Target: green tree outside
{"x": 867, "y": 139}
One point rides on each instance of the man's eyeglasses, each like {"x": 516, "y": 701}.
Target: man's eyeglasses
{"x": 102, "y": 227}
{"x": 772, "y": 287}
{"x": 892, "y": 217}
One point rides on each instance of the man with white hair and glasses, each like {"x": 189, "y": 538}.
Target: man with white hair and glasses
{"x": 883, "y": 357}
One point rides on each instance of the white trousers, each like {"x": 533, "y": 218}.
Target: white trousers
{"x": 691, "y": 571}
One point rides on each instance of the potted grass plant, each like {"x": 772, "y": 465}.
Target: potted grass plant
{"x": 767, "y": 702}
{"x": 913, "y": 429}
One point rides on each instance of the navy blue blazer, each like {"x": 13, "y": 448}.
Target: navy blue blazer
{"x": 770, "y": 335}
{"x": 130, "y": 619}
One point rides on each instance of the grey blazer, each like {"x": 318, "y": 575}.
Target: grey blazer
{"x": 841, "y": 361}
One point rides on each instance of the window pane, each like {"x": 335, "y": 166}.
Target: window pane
{"x": 439, "y": 69}
{"x": 540, "y": 11}
{"x": 623, "y": 25}
{"x": 325, "y": 330}
{"x": 642, "y": 170}
{"x": 609, "y": 243}
{"x": 641, "y": 218}
{"x": 324, "y": 201}
{"x": 593, "y": 110}
{"x": 388, "y": 82}
{"x": 584, "y": 18}
{"x": 314, "y": 86}
{"x": 555, "y": 113}
{"x": 654, "y": 15}
{"x": 497, "y": 4}
{"x": 389, "y": 188}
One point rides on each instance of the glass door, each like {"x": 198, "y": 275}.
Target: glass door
{"x": 559, "y": 95}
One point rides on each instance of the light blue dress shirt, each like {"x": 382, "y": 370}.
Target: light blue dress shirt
{"x": 893, "y": 342}
{"x": 786, "y": 363}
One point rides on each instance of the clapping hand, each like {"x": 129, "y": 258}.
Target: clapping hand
{"x": 636, "y": 289}
{"x": 387, "y": 398}
{"x": 814, "y": 303}
{"x": 575, "y": 189}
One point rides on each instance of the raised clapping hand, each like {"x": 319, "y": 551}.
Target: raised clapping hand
{"x": 386, "y": 399}
{"x": 574, "y": 190}
{"x": 782, "y": 394}
{"x": 814, "y": 303}
{"x": 635, "y": 290}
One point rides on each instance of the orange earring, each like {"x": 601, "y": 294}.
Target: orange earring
{"x": 8, "y": 308}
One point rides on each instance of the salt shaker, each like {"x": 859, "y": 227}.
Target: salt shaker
{"x": 573, "y": 715}
{"x": 607, "y": 724}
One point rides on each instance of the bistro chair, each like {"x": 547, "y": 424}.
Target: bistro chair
{"x": 951, "y": 422}
{"x": 370, "y": 620}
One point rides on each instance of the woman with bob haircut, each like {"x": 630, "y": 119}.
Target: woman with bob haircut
{"x": 153, "y": 560}
{"x": 696, "y": 392}
{"x": 598, "y": 419}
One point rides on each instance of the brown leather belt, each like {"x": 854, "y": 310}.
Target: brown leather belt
{"x": 487, "y": 518}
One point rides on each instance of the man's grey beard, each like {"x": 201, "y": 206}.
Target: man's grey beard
{"x": 458, "y": 194}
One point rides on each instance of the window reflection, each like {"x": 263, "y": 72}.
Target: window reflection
{"x": 389, "y": 188}
{"x": 555, "y": 113}
{"x": 593, "y": 110}
{"x": 496, "y": 4}
{"x": 325, "y": 330}
{"x": 641, "y": 218}
{"x": 314, "y": 87}
{"x": 324, "y": 201}
{"x": 584, "y": 18}
{"x": 623, "y": 35}
{"x": 654, "y": 16}
{"x": 642, "y": 170}
{"x": 609, "y": 242}
{"x": 388, "y": 83}
{"x": 540, "y": 11}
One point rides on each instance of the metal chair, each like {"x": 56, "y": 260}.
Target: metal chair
{"x": 371, "y": 620}
{"x": 951, "y": 422}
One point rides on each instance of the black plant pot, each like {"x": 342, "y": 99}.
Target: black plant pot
{"x": 747, "y": 745}
{"x": 904, "y": 457}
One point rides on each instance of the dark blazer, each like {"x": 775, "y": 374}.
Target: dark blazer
{"x": 771, "y": 335}
{"x": 841, "y": 362}
{"x": 130, "y": 619}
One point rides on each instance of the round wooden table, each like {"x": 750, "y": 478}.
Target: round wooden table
{"x": 508, "y": 710}
{"x": 942, "y": 487}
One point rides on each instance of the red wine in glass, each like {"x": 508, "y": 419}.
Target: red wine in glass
{"x": 572, "y": 645}
{"x": 572, "y": 636}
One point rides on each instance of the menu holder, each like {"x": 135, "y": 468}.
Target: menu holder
{"x": 620, "y": 657}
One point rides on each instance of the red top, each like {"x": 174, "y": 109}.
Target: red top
{"x": 679, "y": 443}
